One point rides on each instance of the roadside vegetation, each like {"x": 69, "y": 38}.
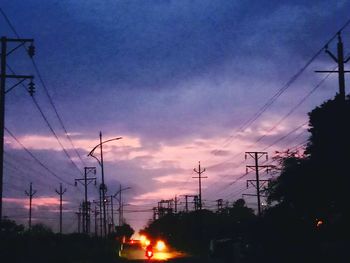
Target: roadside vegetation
{"x": 41, "y": 245}
{"x": 308, "y": 213}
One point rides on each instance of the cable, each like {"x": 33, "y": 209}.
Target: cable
{"x": 54, "y": 133}
{"x": 55, "y": 110}
{"x": 45, "y": 88}
{"x": 50, "y": 126}
{"x": 36, "y": 159}
{"x": 270, "y": 101}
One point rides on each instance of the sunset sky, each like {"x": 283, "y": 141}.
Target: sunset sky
{"x": 177, "y": 79}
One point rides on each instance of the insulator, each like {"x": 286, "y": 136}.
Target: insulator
{"x": 31, "y": 88}
{"x": 31, "y": 50}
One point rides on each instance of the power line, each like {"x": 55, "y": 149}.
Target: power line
{"x": 55, "y": 110}
{"x": 270, "y": 101}
{"x": 55, "y": 135}
{"x": 36, "y": 159}
{"x": 45, "y": 89}
{"x": 282, "y": 119}
{"x": 50, "y": 127}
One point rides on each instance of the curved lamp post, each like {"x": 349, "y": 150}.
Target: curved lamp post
{"x": 103, "y": 187}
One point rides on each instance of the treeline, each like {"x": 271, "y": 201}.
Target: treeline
{"x": 41, "y": 245}
{"x": 308, "y": 213}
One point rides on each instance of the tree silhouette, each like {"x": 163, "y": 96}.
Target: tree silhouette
{"x": 314, "y": 185}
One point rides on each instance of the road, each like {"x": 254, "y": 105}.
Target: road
{"x": 137, "y": 254}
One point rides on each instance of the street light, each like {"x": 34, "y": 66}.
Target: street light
{"x": 103, "y": 187}
{"x": 120, "y": 202}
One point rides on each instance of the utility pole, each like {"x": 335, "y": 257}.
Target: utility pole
{"x": 30, "y": 194}
{"x": 219, "y": 205}
{"x": 200, "y": 177}
{"x": 3, "y": 91}
{"x": 120, "y": 201}
{"x": 175, "y": 207}
{"x": 196, "y": 202}
{"x": 79, "y": 213}
{"x": 340, "y": 60}
{"x": 85, "y": 182}
{"x": 155, "y": 212}
{"x": 101, "y": 215}
{"x": 60, "y": 193}
{"x": 103, "y": 187}
{"x": 96, "y": 213}
{"x": 112, "y": 214}
{"x": 256, "y": 167}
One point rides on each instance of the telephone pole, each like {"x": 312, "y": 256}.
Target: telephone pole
{"x": 30, "y": 194}
{"x": 60, "y": 193}
{"x": 3, "y": 76}
{"x": 96, "y": 213}
{"x": 256, "y": 167}
{"x": 111, "y": 224}
{"x": 340, "y": 60}
{"x": 120, "y": 201}
{"x": 79, "y": 213}
{"x": 85, "y": 182}
{"x": 200, "y": 177}
{"x": 175, "y": 206}
{"x": 219, "y": 203}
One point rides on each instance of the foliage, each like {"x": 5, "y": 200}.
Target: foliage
{"x": 124, "y": 231}
{"x": 314, "y": 184}
{"x": 8, "y": 226}
{"x": 40, "y": 229}
{"x": 40, "y": 245}
{"x": 192, "y": 231}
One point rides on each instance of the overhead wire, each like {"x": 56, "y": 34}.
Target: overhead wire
{"x": 36, "y": 68}
{"x": 271, "y": 100}
{"x": 36, "y": 159}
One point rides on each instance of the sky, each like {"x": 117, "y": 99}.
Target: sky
{"x": 176, "y": 79}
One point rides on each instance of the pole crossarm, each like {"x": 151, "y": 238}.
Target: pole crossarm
{"x": 253, "y": 195}
{"x": 341, "y": 61}
{"x": 4, "y": 52}
{"x": 85, "y": 181}
{"x": 200, "y": 177}
{"x": 253, "y": 183}
{"x": 256, "y": 167}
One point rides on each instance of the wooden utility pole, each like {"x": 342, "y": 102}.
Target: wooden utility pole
{"x": 256, "y": 167}
{"x": 85, "y": 182}
{"x": 200, "y": 177}
{"x": 219, "y": 205}
{"x": 186, "y": 203}
{"x": 3, "y": 91}
{"x": 340, "y": 60}
{"x": 79, "y": 213}
{"x": 175, "y": 206}
{"x": 60, "y": 193}
{"x": 96, "y": 213}
{"x": 30, "y": 195}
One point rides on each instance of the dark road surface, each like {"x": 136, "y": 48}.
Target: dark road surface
{"x": 138, "y": 255}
